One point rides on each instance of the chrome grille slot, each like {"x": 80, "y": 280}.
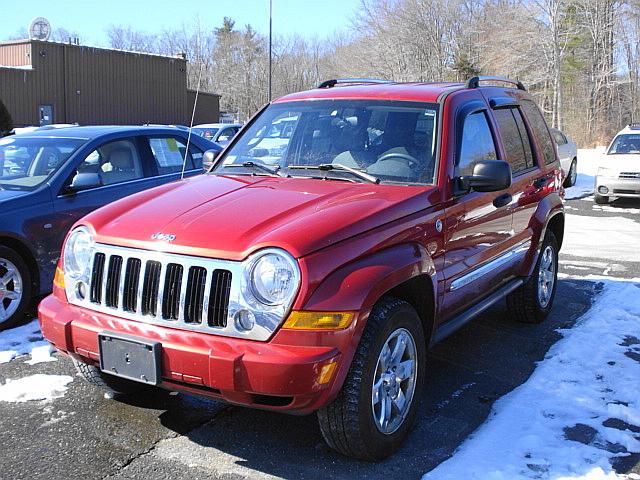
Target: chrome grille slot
{"x": 629, "y": 175}
{"x": 113, "y": 281}
{"x": 131, "y": 280}
{"x": 194, "y": 297}
{"x": 97, "y": 274}
{"x": 171, "y": 292}
{"x": 219, "y": 298}
{"x": 150, "y": 287}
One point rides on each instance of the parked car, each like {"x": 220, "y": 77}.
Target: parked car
{"x": 568, "y": 154}
{"x": 619, "y": 170}
{"x": 317, "y": 283}
{"x": 49, "y": 179}
{"x": 220, "y": 133}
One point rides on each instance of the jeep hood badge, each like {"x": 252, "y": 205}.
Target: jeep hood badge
{"x": 165, "y": 237}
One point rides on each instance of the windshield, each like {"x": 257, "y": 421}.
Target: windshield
{"x": 207, "y": 133}
{"x": 625, "y": 144}
{"x": 26, "y": 163}
{"x": 392, "y": 142}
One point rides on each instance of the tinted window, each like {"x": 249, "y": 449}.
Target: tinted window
{"x": 515, "y": 139}
{"x": 540, "y": 130}
{"x": 115, "y": 162}
{"x": 477, "y": 143}
{"x": 558, "y": 137}
{"x": 169, "y": 155}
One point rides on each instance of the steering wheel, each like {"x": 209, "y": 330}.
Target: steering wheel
{"x": 411, "y": 162}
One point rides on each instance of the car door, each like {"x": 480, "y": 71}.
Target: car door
{"x": 122, "y": 171}
{"x": 477, "y": 225}
{"x": 166, "y": 154}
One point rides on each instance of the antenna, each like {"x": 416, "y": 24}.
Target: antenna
{"x": 193, "y": 114}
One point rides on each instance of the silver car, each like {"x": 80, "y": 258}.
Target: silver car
{"x": 568, "y": 153}
{"x": 619, "y": 169}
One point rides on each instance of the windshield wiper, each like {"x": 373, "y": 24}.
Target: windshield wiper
{"x": 273, "y": 172}
{"x": 339, "y": 167}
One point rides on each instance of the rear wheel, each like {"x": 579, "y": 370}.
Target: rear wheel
{"x": 572, "y": 175}
{"x": 601, "y": 199}
{"x": 377, "y": 406}
{"x": 108, "y": 383}
{"x": 15, "y": 288}
{"x": 532, "y": 302}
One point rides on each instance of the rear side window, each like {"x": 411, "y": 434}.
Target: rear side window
{"x": 559, "y": 137}
{"x": 169, "y": 155}
{"x": 477, "y": 143}
{"x": 539, "y": 126}
{"x": 515, "y": 139}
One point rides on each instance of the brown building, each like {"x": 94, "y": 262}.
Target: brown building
{"x": 49, "y": 82}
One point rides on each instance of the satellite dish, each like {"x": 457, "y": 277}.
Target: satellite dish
{"x": 40, "y": 29}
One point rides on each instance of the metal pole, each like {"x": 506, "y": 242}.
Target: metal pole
{"x": 270, "y": 55}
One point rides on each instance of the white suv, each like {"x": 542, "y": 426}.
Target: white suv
{"x": 619, "y": 170}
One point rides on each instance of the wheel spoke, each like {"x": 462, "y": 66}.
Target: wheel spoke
{"x": 404, "y": 369}
{"x": 385, "y": 412}
{"x": 3, "y": 312}
{"x": 376, "y": 393}
{"x": 11, "y": 295}
{"x": 385, "y": 357}
{"x": 7, "y": 277}
{"x": 398, "y": 350}
{"x": 400, "y": 402}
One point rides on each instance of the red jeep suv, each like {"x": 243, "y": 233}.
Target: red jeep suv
{"x": 343, "y": 231}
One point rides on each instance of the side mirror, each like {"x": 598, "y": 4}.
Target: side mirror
{"x": 84, "y": 181}
{"x": 208, "y": 158}
{"x": 487, "y": 176}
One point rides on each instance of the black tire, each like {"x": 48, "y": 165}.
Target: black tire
{"x": 18, "y": 314}
{"x": 347, "y": 424}
{"x": 108, "y": 383}
{"x": 601, "y": 199}
{"x": 570, "y": 180}
{"x": 525, "y": 303}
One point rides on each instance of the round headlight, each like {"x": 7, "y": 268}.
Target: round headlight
{"x": 274, "y": 278}
{"x": 77, "y": 252}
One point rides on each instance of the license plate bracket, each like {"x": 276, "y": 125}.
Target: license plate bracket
{"x": 130, "y": 357}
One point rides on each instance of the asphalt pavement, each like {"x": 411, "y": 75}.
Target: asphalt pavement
{"x": 160, "y": 435}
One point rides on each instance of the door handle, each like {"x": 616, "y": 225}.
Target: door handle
{"x": 502, "y": 200}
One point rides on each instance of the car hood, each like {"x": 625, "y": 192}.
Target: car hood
{"x": 622, "y": 162}
{"x": 230, "y": 217}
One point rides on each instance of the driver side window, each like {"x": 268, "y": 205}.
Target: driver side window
{"x": 114, "y": 162}
{"x": 477, "y": 143}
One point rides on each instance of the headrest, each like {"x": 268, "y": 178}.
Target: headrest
{"x": 121, "y": 158}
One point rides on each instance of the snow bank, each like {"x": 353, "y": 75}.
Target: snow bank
{"x": 35, "y": 387}
{"x": 25, "y": 340}
{"x": 576, "y": 411}
{"x": 588, "y": 162}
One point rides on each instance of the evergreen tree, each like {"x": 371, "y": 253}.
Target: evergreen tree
{"x": 6, "y": 122}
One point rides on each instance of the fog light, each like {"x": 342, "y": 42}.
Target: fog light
{"x": 81, "y": 290}
{"x": 603, "y": 190}
{"x": 245, "y": 320}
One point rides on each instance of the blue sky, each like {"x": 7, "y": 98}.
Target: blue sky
{"x": 89, "y": 19}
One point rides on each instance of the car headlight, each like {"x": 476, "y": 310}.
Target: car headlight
{"x": 77, "y": 253}
{"x": 273, "y": 277}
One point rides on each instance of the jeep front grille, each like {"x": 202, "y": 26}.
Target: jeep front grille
{"x": 176, "y": 290}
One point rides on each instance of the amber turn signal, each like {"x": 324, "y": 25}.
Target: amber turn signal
{"x": 319, "y": 320}
{"x": 58, "y": 279}
{"x": 327, "y": 372}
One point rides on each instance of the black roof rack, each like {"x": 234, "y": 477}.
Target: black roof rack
{"x": 352, "y": 81}
{"x": 634, "y": 126}
{"x": 474, "y": 82}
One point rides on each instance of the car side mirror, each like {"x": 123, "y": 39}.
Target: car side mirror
{"x": 487, "y": 176}
{"x": 84, "y": 181}
{"x": 208, "y": 158}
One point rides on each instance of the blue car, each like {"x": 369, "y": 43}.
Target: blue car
{"x": 49, "y": 179}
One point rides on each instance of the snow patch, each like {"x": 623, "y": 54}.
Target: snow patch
{"x": 25, "y": 340}
{"x": 608, "y": 238}
{"x": 588, "y": 162}
{"x": 35, "y": 387}
{"x": 577, "y": 411}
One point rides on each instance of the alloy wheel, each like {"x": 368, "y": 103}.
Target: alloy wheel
{"x": 546, "y": 276}
{"x": 10, "y": 289}
{"x": 394, "y": 381}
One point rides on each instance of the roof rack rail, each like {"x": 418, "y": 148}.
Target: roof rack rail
{"x": 474, "y": 82}
{"x": 352, "y": 81}
{"x": 634, "y": 126}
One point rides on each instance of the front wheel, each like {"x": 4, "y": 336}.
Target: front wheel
{"x": 532, "y": 302}
{"x": 572, "y": 176}
{"x": 15, "y": 288}
{"x": 106, "y": 382}
{"x": 377, "y": 406}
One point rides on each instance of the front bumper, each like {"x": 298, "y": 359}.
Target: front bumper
{"x": 281, "y": 374}
{"x": 618, "y": 187}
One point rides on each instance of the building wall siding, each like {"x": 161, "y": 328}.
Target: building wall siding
{"x": 94, "y": 86}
